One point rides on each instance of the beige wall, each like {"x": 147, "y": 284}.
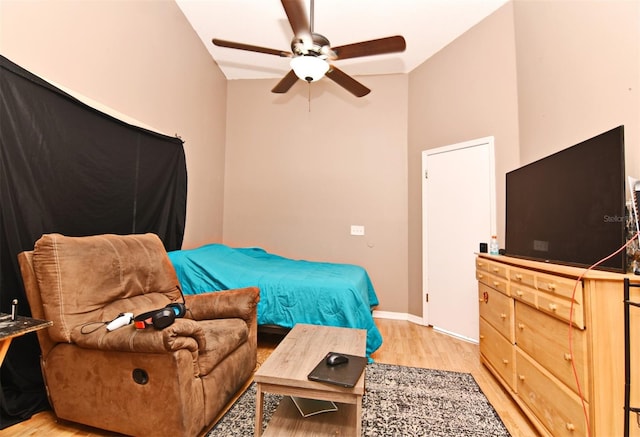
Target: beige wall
{"x": 142, "y": 59}
{"x": 466, "y": 91}
{"x": 299, "y": 173}
{"x": 578, "y": 74}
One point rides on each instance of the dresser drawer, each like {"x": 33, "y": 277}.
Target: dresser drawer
{"x": 557, "y": 407}
{"x": 498, "y": 352}
{"x": 546, "y": 340}
{"x": 497, "y": 309}
{"x": 495, "y": 282}
{"x": 499, "y": 270}
{"x": 495, "y": 268}
{"x": 524, "y": 293}
{"x": 482, "y": 264}
{"x": 522, "y": 285}
{"x": 560, "y": 307}
{"x": 559, "y": 286}
{"x": 522, "y": 277}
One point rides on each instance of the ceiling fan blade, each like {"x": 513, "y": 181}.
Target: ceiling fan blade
{"x": 347, "y": 82}
{"x": 391, "y": 44}
{"x": 241, "y": 46}
{"x": 297, "y": 16}
{"x": 285, "y": 83}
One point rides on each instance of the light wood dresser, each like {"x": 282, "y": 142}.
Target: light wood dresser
{"x": 528, "y": 343}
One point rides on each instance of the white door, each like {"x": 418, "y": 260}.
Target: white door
{"x": 458, "y": 212}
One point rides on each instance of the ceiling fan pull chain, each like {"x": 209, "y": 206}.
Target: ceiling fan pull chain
{"x": 309, "y": 93}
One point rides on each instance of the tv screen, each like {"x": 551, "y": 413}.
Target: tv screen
{"x": 569, "y": 207}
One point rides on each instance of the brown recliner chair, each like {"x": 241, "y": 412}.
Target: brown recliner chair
{"x": 143, "y": 382}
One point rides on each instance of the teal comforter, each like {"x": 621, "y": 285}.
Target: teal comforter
{"x": 291, "y": 291}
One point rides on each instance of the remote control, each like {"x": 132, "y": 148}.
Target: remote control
{"x": 120, "y": 321}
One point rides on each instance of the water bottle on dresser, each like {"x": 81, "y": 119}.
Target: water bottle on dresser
{"x": 493, "y": 246}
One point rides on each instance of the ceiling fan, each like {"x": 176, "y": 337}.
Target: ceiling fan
{"x": 311, "y": 53}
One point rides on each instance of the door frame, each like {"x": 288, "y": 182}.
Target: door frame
{"x": 490, "y": 142}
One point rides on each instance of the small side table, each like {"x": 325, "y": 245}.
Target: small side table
{"x": 9, "y": 329}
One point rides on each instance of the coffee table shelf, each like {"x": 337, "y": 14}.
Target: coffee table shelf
{"x": 287, "y": 421}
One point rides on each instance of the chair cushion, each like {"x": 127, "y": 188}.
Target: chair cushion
{"x": 94, "y": 278}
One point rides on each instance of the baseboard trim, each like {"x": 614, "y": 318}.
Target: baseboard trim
{"x": 418, "y": 321}
{"x": 397, "y": 316}
{"x": 458, "y": 336}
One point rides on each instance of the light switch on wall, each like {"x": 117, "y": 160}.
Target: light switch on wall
{"x": 357, "y": 230}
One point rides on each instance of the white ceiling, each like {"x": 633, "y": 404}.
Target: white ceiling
{"x": 427, "y": 26}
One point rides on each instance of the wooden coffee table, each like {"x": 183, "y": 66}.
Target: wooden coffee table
{"x": 285, "y": 372}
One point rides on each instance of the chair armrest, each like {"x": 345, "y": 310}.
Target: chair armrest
{"x": 182, "y": 334}
{"x": 239, "y": 303}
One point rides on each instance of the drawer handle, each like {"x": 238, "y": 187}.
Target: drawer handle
{"x": 481, "y": 299}
{"x": 496, "y": 284}
{"x": 553, "y": 306}
{"x": 480, "y": 264}
{"x": 481, "y": 337}
{"x": 551, "y": 287}
{"x": 496, "y": 270}
{"x": 521, "y": 325}
{"x": 520, "y": 293}
{"x": 521, "y": 377}
{"x": 571, "y": 427}
{"x": 480, "y": 276}
{"x": 518, "y": 276}
{"x": 567, "y": 357}
{"x": 503, "y": 316}
{"x": 505, "y": 361}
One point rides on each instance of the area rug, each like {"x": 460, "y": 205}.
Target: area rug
{"x": 398, "y": 401}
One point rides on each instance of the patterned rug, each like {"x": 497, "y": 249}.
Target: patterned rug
{"x": 398, "y": 401}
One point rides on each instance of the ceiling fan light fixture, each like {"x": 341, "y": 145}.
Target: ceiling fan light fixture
{"x": 309, "y": 68}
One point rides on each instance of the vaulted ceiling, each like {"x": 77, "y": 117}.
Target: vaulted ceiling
{"x": 427, "y": 26}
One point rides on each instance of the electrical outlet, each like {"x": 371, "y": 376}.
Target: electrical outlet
{"x": 357, "y": 230}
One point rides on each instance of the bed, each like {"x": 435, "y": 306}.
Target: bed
{"x": 291, "y": 291}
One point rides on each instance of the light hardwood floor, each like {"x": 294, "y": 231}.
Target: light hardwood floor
{"x": 405, "y": 344}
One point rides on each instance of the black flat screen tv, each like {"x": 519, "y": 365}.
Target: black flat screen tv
{"x": 569, "y": 207}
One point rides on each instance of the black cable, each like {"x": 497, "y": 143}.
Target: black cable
{"x": 184, "y": 302}
{"x": 82, "y": 331}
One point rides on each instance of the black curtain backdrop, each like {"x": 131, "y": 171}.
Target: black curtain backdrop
{"x": 66, "y": 167}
